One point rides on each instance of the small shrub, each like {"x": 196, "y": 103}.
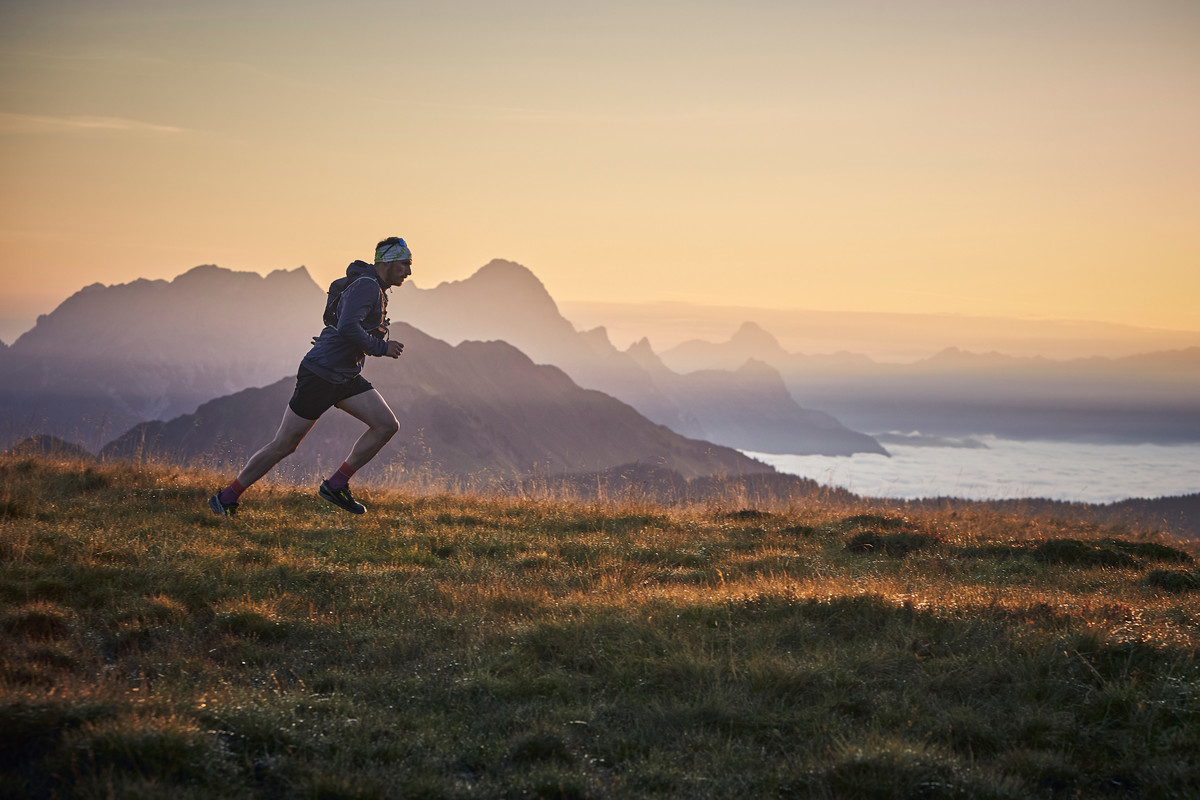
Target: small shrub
{"x": 38, "y": 621}
{"x": 1149, "y": 550}
{"x": 1088, "y": 554}
{"x": 896, "y": 545}
{"x": 1174, "y": 580}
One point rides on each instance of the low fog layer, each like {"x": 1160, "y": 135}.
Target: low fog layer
{"x": 1004, "y": 469}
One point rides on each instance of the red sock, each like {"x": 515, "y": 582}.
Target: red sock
{"x": 231, "y": 493}
{"x": 339, "y": 479}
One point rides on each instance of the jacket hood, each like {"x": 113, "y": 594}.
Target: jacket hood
{"x": 359, "y": 269}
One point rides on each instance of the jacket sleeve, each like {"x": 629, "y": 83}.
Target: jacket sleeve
{"x": 359, "y": 299}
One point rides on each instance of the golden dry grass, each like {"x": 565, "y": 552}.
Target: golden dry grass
{"x": 471, "y": 646}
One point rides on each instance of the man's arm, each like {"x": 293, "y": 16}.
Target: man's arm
{"x": 357, "y": 301}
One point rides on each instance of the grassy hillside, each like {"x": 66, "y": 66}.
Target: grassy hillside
{"x": 457, "y": 647}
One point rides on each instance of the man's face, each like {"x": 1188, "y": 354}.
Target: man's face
{"x": 397, "y": 271}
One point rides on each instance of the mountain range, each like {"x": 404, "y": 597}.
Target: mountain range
{"x": 1153, "y": 397}
{"x": 746, "y": 406}
{"x": 473, "y": 414}
{"x": 890, "y": 337}
{"x": 497, "y": 385}
{"x": 112, "y": 357}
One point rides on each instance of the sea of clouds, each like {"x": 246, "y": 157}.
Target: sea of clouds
{"x": 1004, "y": 469}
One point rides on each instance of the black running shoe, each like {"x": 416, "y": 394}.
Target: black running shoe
{"x": 222, "y": 509}
{"x": 341, "y": 498}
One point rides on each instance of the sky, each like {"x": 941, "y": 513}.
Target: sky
{"x": 1021, "y": 158}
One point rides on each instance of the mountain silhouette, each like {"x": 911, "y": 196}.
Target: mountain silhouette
{"x": 1154, "y": 397}
{"x": 746, "y": 410}
{"x": 750, "y": 408}
{"x": 501, "y": 301}
{"x": 476, "y": 414}
{"x": 749, "y": 342}
{"x": 895, "y": 336}
{"x": 110, "y": 357}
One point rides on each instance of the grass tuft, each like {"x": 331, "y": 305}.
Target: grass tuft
{"x": 36, "y": 621}
{"x": 1174, "y": 580}
{"x": 1089, "y": 554}
{"x": 896, "y": 545}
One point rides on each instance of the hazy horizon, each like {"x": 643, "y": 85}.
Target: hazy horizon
{"x": 883, "y": 336}
{"x": 1006, "y": 160}
{"x": 1093, "y": 424}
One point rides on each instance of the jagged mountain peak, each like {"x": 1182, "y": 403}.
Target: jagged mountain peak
{"x": 499, "y": 288}
{"x": 201, "y": 318}
{"x": 507, "y": 269}
{"x": 644, "y": 356}
{"x": 501, "y": 300}
{"x": 753, "y": 332}
{"x": 499, "y": 272}
{"x": 201, "y": 271}
{"x": 753, "y": 338}
{"x": 640, "y": 347}
{"x": 599, "y": 333}
{"x": 597, "y": 339}
{"x": 206, "y": 275}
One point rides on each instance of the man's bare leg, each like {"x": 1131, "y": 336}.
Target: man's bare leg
{"x": 292, "y": 431}
{"x": 371, "y": 408}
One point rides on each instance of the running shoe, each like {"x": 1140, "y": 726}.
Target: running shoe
{"x": 341, "y": 498}
{"x": 222, "y": 509}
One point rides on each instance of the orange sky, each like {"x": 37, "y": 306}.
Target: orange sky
{"x": 1023, "y": 158}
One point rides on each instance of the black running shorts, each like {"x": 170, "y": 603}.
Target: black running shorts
{"x": 314, "y": 396}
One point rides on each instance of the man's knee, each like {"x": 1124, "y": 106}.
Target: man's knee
{"x": 287, "y": 445}
{"x": 388, "y": 427}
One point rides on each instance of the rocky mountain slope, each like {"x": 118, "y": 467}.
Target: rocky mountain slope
{"x": 474, "y": 414}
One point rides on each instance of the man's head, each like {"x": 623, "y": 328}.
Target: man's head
{"x": 393, "y": 260}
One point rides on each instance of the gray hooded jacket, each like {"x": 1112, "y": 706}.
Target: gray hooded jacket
{"x": 337, "y": 355}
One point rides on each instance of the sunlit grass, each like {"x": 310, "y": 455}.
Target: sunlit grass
{"x": 470, "y": 646}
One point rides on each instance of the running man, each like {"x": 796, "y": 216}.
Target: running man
{"x": 356, "y": 325}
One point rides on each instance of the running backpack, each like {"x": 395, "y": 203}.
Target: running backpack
{"x": 333, "y": 302}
